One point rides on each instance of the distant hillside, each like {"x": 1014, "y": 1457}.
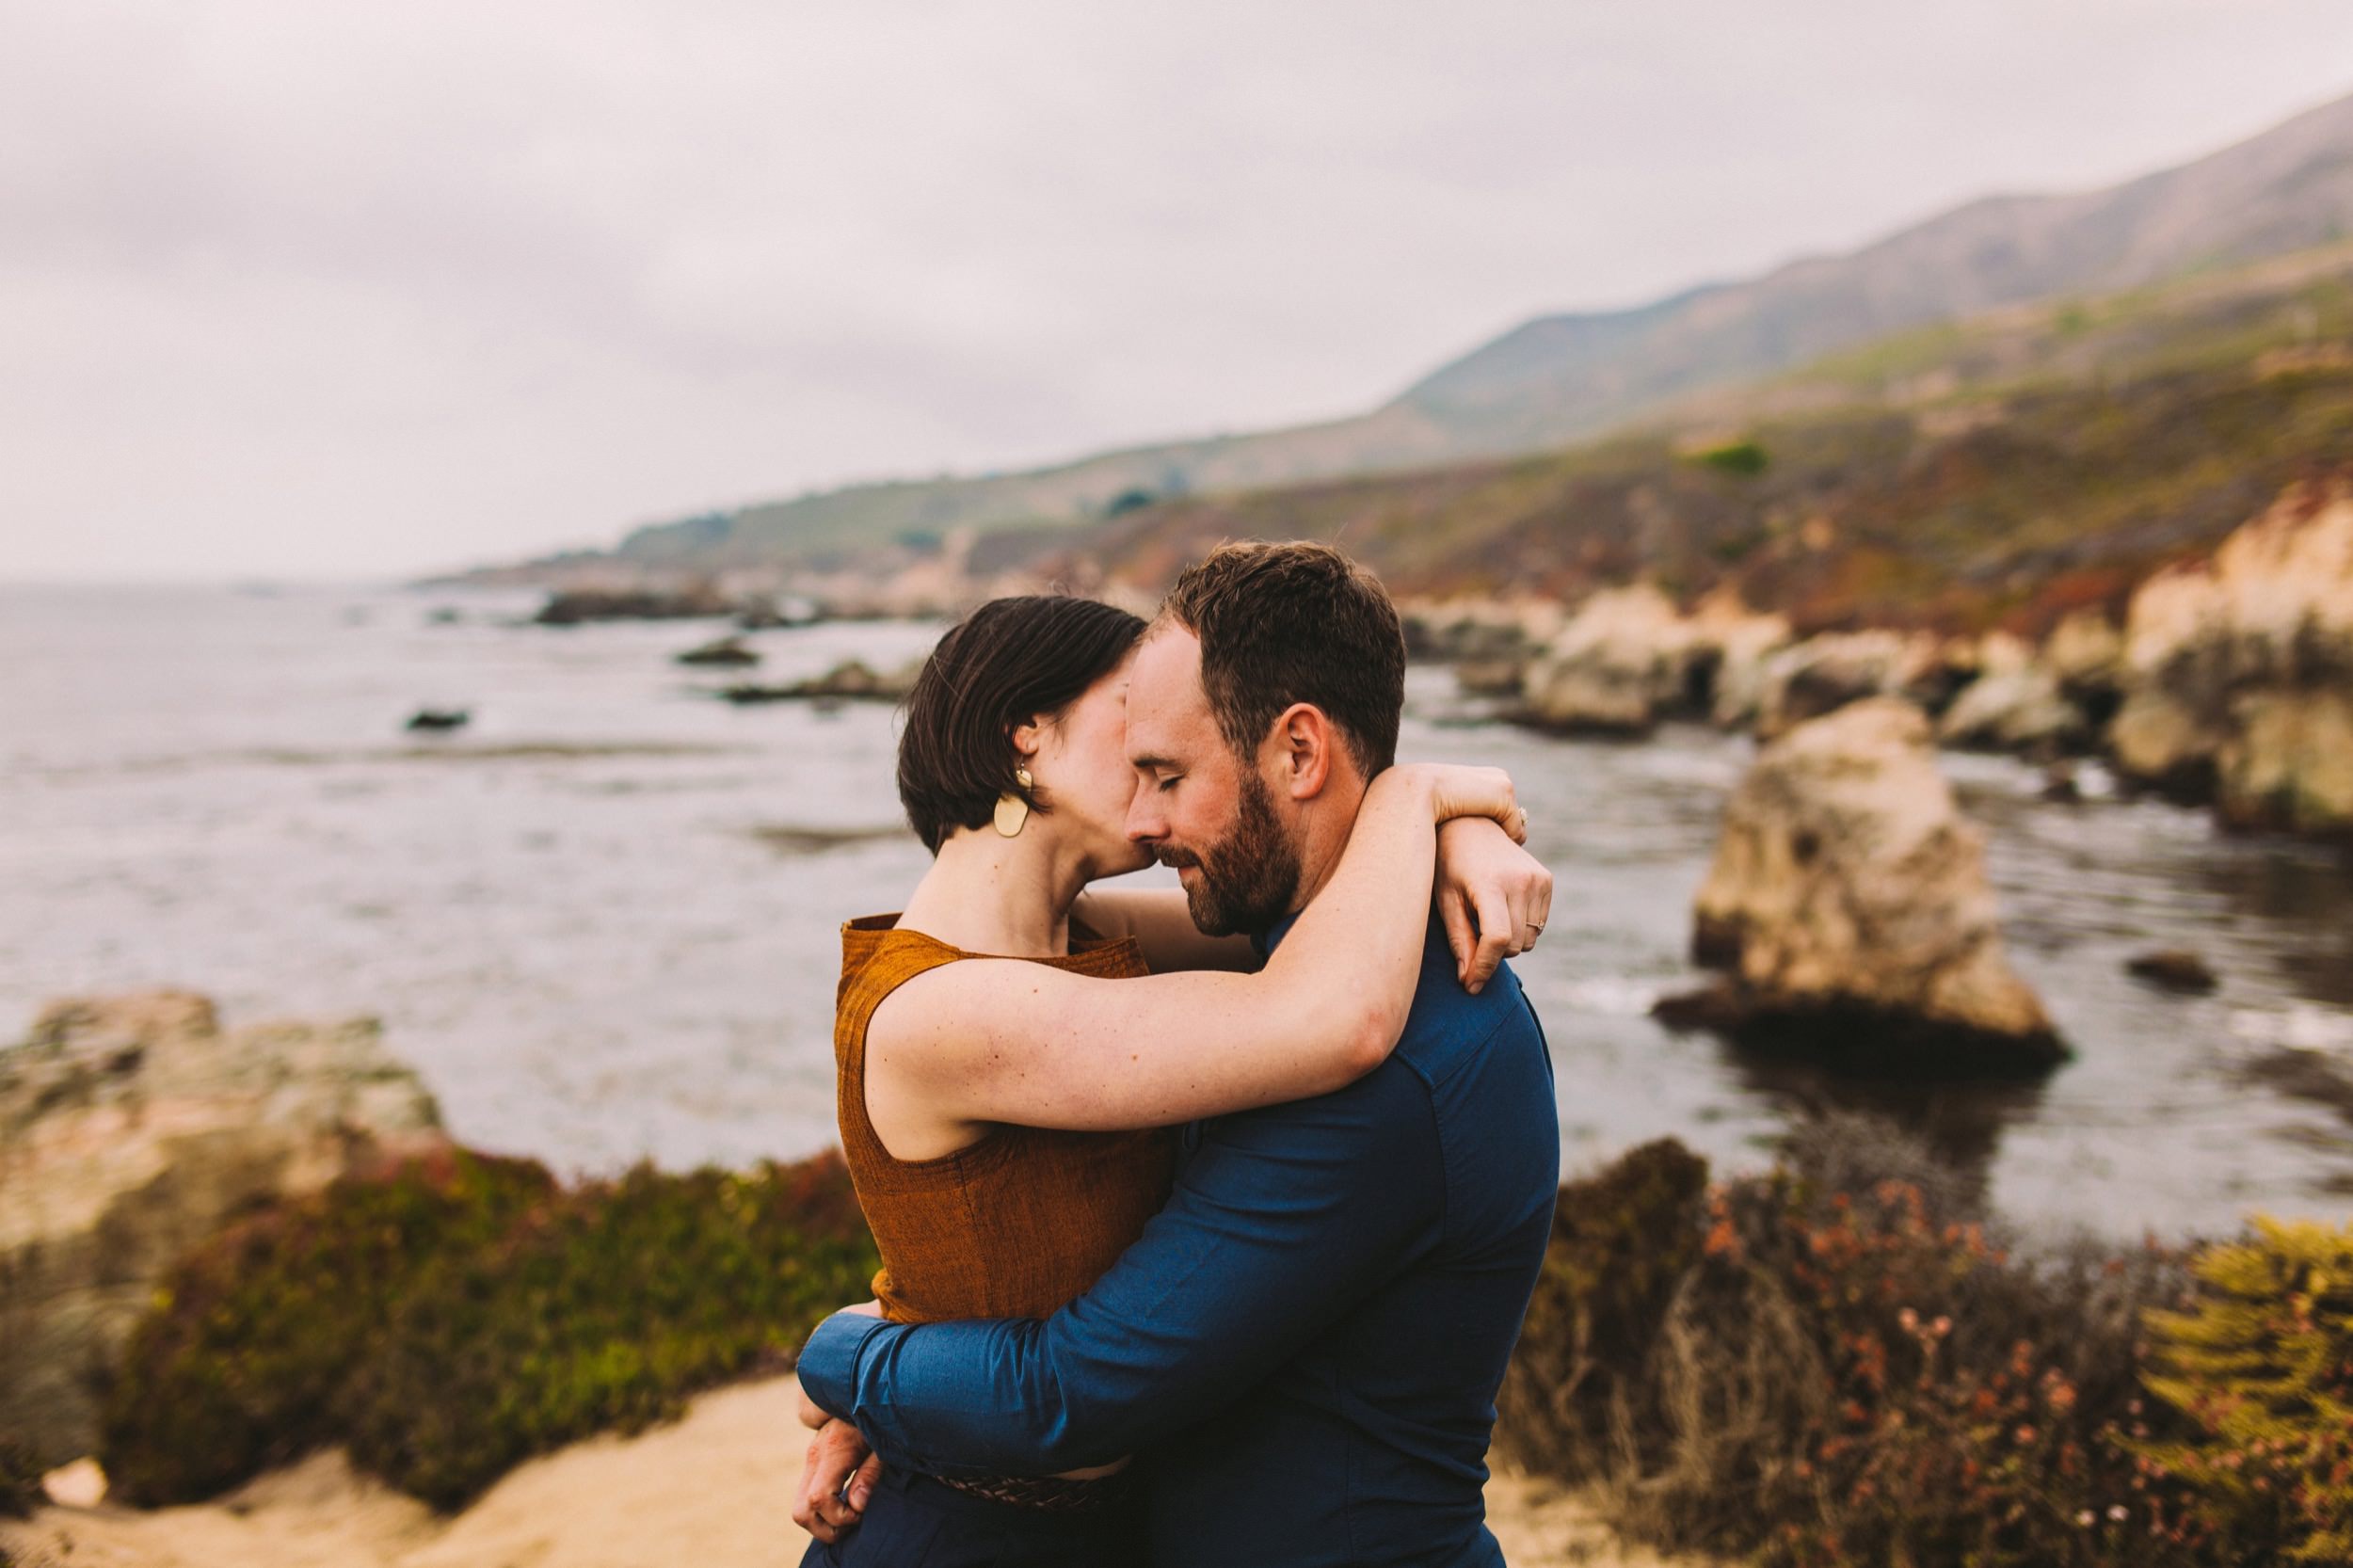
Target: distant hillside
{"x": 1997, "y": 471}
{"x": 1562, "y": 377}
{"x": 2288, "y": 189}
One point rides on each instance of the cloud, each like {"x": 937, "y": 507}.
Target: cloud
{"x": 312, "y": 288}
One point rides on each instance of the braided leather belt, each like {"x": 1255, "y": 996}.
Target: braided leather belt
{"x": 1054, "y": 1494}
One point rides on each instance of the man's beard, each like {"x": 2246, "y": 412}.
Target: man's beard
{"x": 1249, "y": 879}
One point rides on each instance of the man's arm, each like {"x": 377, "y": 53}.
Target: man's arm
{"x": 1160, "y": 920}
{"x": 1281, "y": 1222}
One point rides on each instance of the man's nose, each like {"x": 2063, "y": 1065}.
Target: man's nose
{"x": 1147, "y": 822}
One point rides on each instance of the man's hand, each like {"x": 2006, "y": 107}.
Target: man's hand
{"x": 1494, "y": 897}
{"x": 835, "y": 1479}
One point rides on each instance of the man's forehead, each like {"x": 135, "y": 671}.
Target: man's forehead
{"x": 1167, "y": 671}
{"x": 1165, "y": 700}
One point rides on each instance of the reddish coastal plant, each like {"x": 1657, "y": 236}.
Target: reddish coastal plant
{"x": 1855, "y": 1371}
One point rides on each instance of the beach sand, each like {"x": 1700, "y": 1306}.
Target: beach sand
{"x": 713, "y": 1489}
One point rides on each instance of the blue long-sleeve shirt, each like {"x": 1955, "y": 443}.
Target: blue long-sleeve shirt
{"x": 1304, "y": 1347}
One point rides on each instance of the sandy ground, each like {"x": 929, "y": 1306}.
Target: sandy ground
{"x": 711, "y": 1491}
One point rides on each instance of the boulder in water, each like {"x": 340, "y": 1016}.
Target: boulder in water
{"x": 2174, "y": 969}
{"x": 726, "y": 653}
{"x": 852, "y": 681}
{"x": 1850, "y": 903}
{"x": 130, "y": 1129}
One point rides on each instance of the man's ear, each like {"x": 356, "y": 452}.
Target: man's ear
{"x": 1300, "y": 749}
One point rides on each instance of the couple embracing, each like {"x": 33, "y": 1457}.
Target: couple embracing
{"x": 1207, "y": 1218}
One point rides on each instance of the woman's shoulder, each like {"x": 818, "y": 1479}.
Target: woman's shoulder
{"x": 878, "y": 955}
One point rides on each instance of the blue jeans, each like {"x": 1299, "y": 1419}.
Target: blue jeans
{"x": 912, "y": 1521}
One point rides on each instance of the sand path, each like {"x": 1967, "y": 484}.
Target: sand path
{"x": 711, "y": 1491}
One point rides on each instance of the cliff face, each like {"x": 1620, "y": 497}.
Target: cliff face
{"x": 131, "y": 1127}
{"x": 2238, "y": 671}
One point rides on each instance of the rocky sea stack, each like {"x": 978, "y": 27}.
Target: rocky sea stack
{"x": 1849, "y": 907}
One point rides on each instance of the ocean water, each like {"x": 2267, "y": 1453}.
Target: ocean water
{"x": 601, "y": 918}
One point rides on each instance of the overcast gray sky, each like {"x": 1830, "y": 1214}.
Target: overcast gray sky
{"x": 297, "y": 287}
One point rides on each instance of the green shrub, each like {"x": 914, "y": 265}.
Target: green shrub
{"x": 245, "y": 1360}
{"x": 604, "y": 1314}
{"x": 2261, "y": 1367}
{"x": 1746, "y": 459}
{"x": 450, "y": 1319}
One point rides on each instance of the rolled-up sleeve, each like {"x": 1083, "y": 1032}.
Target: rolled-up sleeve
{"x": 1281, "y": 1220}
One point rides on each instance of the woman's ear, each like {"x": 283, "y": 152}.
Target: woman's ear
{"x": 1027, "y": 738}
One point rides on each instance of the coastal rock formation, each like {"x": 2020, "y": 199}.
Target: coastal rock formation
{"x": 1738, "y": 641}
{"x": 1849, "y": 903}
{"x": 439, "y": 720}
{"x": 1490, "y": 642}
{"x": 852, "y": 681}
{"x": 2239, "y": 672}
{"x": 1624, "y": 655}
{"x": 2016, "y": 703}
{"x": 1629, "y": 658}
{"x": 726, "y": 653}
{"x": 2086, "y": 653}
{"x": 578, "y": 606}
{"x": 132, "y": 1127}
{"x": 2174, "y": 969}
{"x": 1823, "y": 674}
{"x": 1477, "y": 630}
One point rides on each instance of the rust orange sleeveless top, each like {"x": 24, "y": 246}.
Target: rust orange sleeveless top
{"x": 1015, "y": 1224}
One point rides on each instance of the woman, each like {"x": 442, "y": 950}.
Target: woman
{"x": 998, "y": 1099}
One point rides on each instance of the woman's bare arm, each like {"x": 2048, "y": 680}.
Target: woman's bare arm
{"x": 1002, "y": 1040}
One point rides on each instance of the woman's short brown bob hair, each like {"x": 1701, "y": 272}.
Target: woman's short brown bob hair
{"x": 1009, "y": 661}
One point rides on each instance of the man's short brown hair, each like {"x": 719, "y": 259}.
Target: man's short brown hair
{"x": 1299, "y": 622}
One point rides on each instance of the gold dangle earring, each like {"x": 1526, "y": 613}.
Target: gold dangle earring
{"x": 1012, "y": 810}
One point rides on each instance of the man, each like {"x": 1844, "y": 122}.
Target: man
{"x": 1304, "y": 1345}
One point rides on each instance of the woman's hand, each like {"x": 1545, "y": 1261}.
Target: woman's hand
{"x": 1494, "y": 897}
{"x": 1460, "y": 790}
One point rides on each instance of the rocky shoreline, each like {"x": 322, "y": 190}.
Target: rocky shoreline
{"x": 2223, "y": 681}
